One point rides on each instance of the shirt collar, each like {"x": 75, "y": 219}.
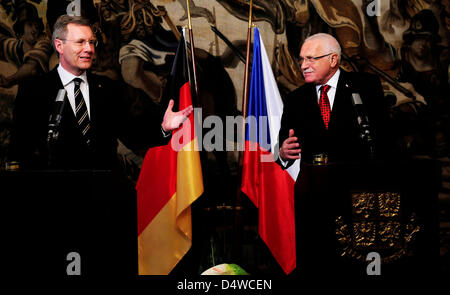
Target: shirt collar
{"x": 67, "y": 77}
{"x": 333, "y": 80}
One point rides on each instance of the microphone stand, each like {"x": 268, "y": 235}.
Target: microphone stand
{"x": 370, "y": 144}
{"x": 363, "y": 122}
{"x": 51, "y": 140}
{"x": 53, "y": 126}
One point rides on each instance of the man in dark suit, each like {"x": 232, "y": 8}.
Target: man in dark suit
{"x": 308, "y": 128}
{"x": 94, "y": 115}
{"x": 320, "y": 118}
{"x": 90, "y": 211}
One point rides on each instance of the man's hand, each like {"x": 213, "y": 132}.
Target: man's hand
{"x": 173, "y": 120}
{"x": 290, "y": 150}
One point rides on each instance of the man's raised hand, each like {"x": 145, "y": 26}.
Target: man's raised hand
{"x": 172, "y": 120}
{"x": 290, "y": 150}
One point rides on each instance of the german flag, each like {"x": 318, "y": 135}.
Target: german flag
{"x": 169, "y": 182}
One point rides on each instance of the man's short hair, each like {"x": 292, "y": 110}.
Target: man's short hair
{"x": 60, "y": 26}
{"x": 330, "y": 43}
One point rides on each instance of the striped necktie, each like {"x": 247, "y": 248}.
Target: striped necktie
{"x": 82, "y": 112}
{"x": 324, "y": 104}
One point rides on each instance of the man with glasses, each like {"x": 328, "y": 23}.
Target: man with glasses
{"x": 93, "y": 118}
{"x": 319, "y": 117}
{"x": 320, "y": 125}
{"x": 88, "y": 208}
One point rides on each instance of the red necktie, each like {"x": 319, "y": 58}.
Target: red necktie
{"x": 324, "y": 104}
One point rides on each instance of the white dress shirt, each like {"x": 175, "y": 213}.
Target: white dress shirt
{"x": 69, "y": 85}
{"x": 332, "y": 91}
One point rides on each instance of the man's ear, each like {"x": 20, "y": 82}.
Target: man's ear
{"x": 334, "y": 60}
{"x": 58, "y": 45}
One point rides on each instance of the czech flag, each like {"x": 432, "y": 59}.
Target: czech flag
{"x": 269, "y": 187}
{"x": 169, "y": 182}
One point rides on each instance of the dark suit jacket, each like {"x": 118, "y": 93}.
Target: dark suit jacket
{"x": 341, "y": 141}
{"x": 110, "y": 119}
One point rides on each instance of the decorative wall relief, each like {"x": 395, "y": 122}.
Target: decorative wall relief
{"x": 376, "y": 225}
{"x": 405, "y": 43}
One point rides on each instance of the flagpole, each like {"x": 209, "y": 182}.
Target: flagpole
{"x": 247, "y": 65}
{"x": 238, "y": 221}
{"x": 246, "y": 82}
{"x": 191, "y": 40}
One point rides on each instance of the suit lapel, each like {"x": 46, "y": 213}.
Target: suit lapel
{"x": 315, "y": 109}
{"x": 340, "y": 100}
{"x": 94, "y": 100}
{"x": 55, "y": 85}
{"x": 92, "y": 93}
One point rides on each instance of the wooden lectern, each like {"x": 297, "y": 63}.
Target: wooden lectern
{"x": 345, "y": 211}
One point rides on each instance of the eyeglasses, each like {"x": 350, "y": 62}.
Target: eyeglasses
{"x": 312, "y": 59}
{"x": 81, "y": 43}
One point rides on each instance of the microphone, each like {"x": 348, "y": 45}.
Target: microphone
{"x": 56, "y": 115}
{"x": 363, "y": 120}
{"x": 361, "y": 116}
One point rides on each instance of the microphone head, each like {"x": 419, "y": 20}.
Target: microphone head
{"x": 356, "y": 99}
{"x": 61, "y": 94}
